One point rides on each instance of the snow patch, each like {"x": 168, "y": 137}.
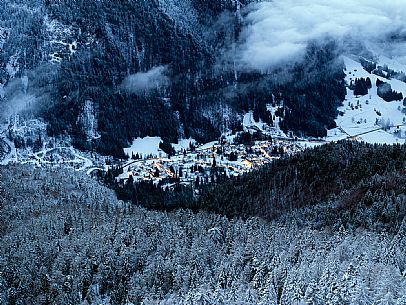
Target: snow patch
{"x": 208, "y": 145}
{"x": 4, "y": 33}
{"x": 2, "y": 91}
{"x": 369, "y": 118}
{"x": 183, "y": 144}
{"x": 144, "y": 146}
{"x": 61, "y": 40}
{"x": 88, "y": 121}
{"x": 12, "y": 66}
{"x": 250, "y": 124}
{"x": 181, "y": 12}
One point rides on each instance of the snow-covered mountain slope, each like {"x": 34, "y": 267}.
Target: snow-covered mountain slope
{"x": 60, "y": 40}
{"x": 370, "y": 118}
{"x": 321, "y": 252}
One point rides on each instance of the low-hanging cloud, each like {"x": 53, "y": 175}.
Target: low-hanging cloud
{"x": 15, "y": 98}
{"x": 146, "y": 81}
{"x": 30, "y": 94}
{"x": 278, "y": 31}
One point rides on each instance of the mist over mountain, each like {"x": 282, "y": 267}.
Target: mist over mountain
{"x": 111, "y": 52}
{"x": 278, "y": 32}
{"x": 168, "y": 68}
{"x": 145, "y": 82}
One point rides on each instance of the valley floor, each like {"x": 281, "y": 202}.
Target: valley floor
{"x": 362, "y": 118}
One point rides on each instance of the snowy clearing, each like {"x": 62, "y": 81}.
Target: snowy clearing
{"x": 145, "y": 146}
{"x": 364, "y": 116}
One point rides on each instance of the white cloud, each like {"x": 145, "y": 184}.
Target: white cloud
{"x": 279, "y": 30}
{"x": 146, "y": 81}
{"x": 15, "y": 98}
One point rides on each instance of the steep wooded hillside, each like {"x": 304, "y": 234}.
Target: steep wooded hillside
{"x": 156, "y": 68}
{"x": 67, "y": 240}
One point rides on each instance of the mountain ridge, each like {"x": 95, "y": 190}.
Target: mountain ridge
{"x": 104, "y": 43}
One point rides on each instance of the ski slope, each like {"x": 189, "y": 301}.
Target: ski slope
{"x": 364, "y": 116}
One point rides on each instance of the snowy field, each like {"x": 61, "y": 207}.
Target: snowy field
{"x": 367, "y": 114}
{"x": 145, "y": 146}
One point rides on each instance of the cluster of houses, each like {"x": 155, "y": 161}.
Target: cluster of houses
{"x": 202, "y": 162}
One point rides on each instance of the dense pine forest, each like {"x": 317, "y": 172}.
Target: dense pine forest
{"x": 182, "y": 51}
{"x": 331, "y": 231}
